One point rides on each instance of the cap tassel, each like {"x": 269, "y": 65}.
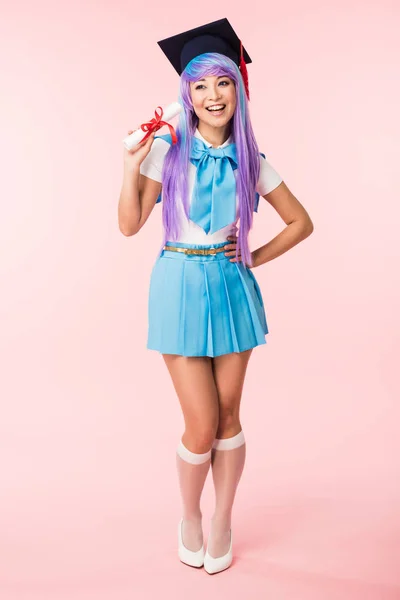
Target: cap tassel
{"x": 243, "y": 70}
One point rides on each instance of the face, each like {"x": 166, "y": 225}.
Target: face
{"x": 211, "y": 91}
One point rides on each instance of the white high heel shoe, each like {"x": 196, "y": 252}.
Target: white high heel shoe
{"x": 214, "y": 565}
{"x": 194, "y": 559}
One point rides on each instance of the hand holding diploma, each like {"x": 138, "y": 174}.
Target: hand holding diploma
{"x": 134, "y": 158}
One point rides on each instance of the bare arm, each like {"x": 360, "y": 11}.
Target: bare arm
{"x": 299, "y": 225}
{"x": 137, "y": 199}
{"x": 138, "y": 193}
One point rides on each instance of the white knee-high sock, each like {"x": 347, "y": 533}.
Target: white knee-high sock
{"x": 192, "y": 472}
{"x": 228, "y": 458}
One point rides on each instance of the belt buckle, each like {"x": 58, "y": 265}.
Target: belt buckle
{"x": 213, "y": 251}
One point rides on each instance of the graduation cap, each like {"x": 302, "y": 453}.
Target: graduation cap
{"x": 218, "y": 36}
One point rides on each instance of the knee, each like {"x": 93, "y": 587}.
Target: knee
{"x": 229, "y": 422}
{"x": 200, "y": 439}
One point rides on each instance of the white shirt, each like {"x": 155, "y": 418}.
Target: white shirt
{"x": 191, "y": 233}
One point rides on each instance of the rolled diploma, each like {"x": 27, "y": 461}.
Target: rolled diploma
{"x": 168, "y": 113}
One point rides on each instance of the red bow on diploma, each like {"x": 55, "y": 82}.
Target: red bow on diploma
{"x": 156, "y": 124}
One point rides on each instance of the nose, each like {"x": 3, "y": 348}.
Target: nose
{"x": 215, "y": 93}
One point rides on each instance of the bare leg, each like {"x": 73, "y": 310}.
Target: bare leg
{"x": 229, "y": 449}
{"x": 194, "y": 384}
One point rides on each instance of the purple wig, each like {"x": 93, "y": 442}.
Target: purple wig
{"x": 175, "y": 168}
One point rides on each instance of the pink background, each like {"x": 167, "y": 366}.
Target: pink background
{"x": 89, "y": 418}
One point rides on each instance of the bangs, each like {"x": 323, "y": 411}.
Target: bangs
{"x": 209, "y": 64}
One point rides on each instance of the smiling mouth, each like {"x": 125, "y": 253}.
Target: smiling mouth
{"x": 216, "y": 111}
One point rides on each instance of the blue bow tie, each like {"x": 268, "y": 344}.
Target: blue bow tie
{"x": 214, "y": 194}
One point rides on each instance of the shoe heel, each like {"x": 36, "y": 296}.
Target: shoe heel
{"x": 193, "y": 559}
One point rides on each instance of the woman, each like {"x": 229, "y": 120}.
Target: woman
{"x": 206, "y": 312}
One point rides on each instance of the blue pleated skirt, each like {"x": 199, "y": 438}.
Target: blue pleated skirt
{"x": 203, "y": 305}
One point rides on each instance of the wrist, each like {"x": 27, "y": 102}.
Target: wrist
{"x": 254, "y": 260}
{"x": 130, "y": 169}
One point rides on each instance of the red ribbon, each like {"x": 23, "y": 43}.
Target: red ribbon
{"x": 156, "y": 124}
{"x": 243, "y": 70}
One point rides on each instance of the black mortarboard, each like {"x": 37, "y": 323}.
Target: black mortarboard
{"x": 218, "y": 36}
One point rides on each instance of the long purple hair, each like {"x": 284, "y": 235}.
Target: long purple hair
{"x": 175, "y": 168}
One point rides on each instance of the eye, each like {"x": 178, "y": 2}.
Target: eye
{"x": 201, "y": 85}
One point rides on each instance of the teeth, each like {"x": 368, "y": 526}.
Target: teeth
{"x": 216, "y": 108}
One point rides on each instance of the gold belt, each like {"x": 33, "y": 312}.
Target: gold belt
{"x": 195, "y": 250}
